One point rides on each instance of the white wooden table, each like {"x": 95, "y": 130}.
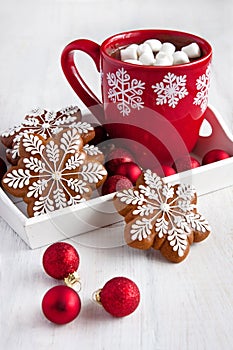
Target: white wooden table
{"x": 184, "y": 306}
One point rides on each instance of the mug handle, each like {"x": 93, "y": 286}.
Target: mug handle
{"x": 74, "y": 78}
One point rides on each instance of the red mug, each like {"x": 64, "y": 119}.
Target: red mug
{"x": 156, "y": 111}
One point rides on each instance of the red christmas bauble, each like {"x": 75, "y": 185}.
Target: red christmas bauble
{"x": 117, "y": 157}
{"x": 60, "y": 259}
{"x": 163, "y": 170}
{"x": 185, "y": 163}
{"x": 61, "y": 304}
{"x": 120, "y": 296}
{"x": 116, "y": 183}
{"x": 214, "y": 156}
{"x": 3, "y": 168}
{"x": 167, "y": 170}
{"x": 130, "y": 170}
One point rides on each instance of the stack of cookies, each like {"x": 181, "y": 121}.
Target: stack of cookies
{"x": 53, "y": 166}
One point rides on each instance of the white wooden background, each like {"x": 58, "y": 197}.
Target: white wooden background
{"x": 184, "y": 306}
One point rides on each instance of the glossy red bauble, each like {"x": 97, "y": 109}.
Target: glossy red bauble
{"x": 185, "y": 163}
{"x": 130, "y": 170}
{"x": 116, "y": 183}
{"x": 3, "y": 168}
{"x": 61, "y": 304}
{"x": 167, "y": 170}
{"x": 116, "y": 157}
{"x": 60, "y": 259}
{"x": 120, "y": 296}
{"x": 164, "y": 170}
{"x": 214, "y": 156}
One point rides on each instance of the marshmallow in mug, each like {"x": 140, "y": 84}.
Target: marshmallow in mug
{"x": 180, "y": 57}
{"x": 154, "y": 44}
{"x": 144, "y": 48}
{"x": 147, "y": 58}
{"x": 153, "y": 52}
{"x": 168, "y": 48}
{"x": 192, "y": 50}
{"x": 163, "y": 58}
{"x": 129, "y": 53}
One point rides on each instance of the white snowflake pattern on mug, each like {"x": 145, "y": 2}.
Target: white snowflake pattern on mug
{"x": 171, "y": 89}
{"x": 202, "y": 85}
{"x": 125, "y": 92}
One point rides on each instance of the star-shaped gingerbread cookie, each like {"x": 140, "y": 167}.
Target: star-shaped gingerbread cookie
{"x": 161, "y": 216}
{"x": 45, "y": 123}
{"x": 54, "y": 173}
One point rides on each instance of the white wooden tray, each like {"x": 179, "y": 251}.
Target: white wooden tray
{"x": 100, "y": 212}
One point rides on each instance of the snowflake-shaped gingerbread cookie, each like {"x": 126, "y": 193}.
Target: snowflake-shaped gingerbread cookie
{"x": 54, "y": 173}
{"x": 45, "y": 123}
{"x": 161, "y": 216}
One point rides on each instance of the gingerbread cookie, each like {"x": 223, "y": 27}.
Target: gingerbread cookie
{"x": 44, "y": 123}
{"x": 54, "y": 173}
{"x": 161, "y": 216}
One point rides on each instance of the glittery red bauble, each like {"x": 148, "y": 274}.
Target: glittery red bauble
{"x": 117, "y": 157}
{"x": 120, "y": 296}
{"x": 3, "y": 168}
{"x": 185, "y": 163}
{"x": 214, "y": 156}
{"x": 61, "y": 304}
{"x": 60, "y": 259}
{"x": 130, "y": 170}
{"x": 116, "y": 183}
